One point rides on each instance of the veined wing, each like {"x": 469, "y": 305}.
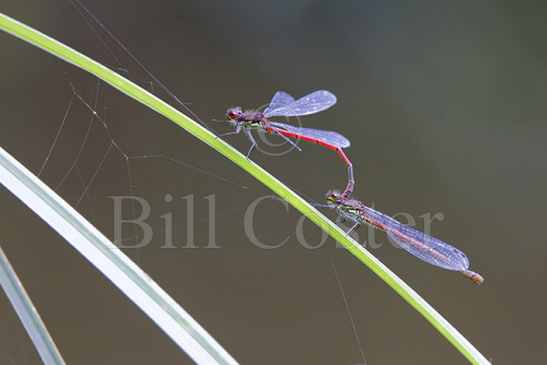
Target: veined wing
{"x": 315, "y": 102}
{"x": 419, "y": 244}
{"x": 332, "y": 138}
{"x": 281, "y": 103}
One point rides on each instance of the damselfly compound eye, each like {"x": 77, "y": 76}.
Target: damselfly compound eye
{"x": 232, "y": 114}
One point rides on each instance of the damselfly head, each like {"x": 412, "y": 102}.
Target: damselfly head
{"x": 333, "y": 196}
{"x": 233, "y": 113}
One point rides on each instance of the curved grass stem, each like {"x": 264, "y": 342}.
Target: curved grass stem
{"x": 71, "y": 56}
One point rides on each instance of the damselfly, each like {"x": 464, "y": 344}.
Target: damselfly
{"x": 284, "y": 105}
{"x": 421, "y": 245}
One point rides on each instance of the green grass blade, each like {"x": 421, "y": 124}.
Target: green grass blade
{"x": 69, "y": 55}
{"x": 27, "y": 313}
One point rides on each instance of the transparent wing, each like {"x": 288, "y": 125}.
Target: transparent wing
{"x": 332, "y": 138}
{"x": 421, "y": 245}
{"x": 315, "y": 102}
{"x": 281, "y": 103}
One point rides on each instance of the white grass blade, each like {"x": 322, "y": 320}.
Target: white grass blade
{"x": 69, "y": 55}
{"x": 125, "y": 274}
{"x": 27, "y": 313}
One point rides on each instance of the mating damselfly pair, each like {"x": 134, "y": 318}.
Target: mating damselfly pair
{"x": 419, "y": 244}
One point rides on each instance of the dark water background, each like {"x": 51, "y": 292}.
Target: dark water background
{"x": 444, "y": 104}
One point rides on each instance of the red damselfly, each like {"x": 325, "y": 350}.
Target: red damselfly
{"x": 421, "y": 245}
{"x": 284, "y": 105}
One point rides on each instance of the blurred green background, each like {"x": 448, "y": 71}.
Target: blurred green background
{"x": 444, "y": 105}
